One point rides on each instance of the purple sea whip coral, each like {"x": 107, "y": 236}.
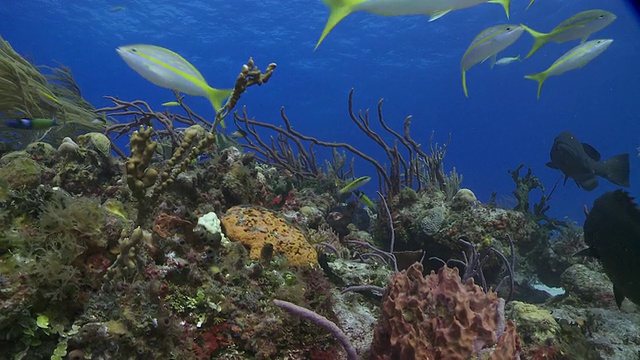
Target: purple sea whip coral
{"x": 320, "y": 321}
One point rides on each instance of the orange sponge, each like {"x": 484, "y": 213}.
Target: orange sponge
{"x": 256, "y": 227}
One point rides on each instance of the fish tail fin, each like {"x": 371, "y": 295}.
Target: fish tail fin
{"x": 506, "y": 4}
{"x": 338, "y": 10}
{"x": 519, "y": 58}
{"x": 539, "y": 39}
{"x": 217, "y": 97}
{"x": 464, "y": 83}
{"x": 616, "y": 170}
{"x": 540, "y": 78}
{"x": 438, "y": 14}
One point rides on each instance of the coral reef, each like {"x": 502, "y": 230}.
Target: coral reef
{"x": 179, "y": 249}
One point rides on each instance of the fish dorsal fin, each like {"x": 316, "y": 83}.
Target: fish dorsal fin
{"x": 622, "y": 198}
{"x": 591, "y": 152}
{"x": 437, "y": 15}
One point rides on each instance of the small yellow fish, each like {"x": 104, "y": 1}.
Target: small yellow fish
{"x": 238, "y": 134}
{"x": 171, "y": 103}
{"x": 355, "y": 184}
{"x": 365, "y": 200}
{"x": 575, "y": 58}
{"x": 115, "y": 207}
{"x": 167, "y": 69}
{"x": 47, "y": 97}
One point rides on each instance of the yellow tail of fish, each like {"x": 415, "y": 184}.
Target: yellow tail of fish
{"x": 339, "y": 9}
{"x": 539, "y": 39}
{"x": 217, "y": 97}
{"x": 540, "y": 78}
{"x": 506, "y": 4}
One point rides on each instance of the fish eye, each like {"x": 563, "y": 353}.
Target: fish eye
{"x": 134, "y": 50}
{"x": 508, "y": 28}
{"x": 601, "y": 16}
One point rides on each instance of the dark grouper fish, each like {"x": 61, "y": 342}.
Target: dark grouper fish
{"x": 612, "y": 232}
{"x": 581, "y": 162}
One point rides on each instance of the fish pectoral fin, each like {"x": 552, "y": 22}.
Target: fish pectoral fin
{"x": 494, "y": 58}
{"x": 154, "y": 70}
{"x": 438, "y": 14}
{"x": 589, "y": 183}
{"x": 552, "y": 165}
{"x": 591, "y": 151}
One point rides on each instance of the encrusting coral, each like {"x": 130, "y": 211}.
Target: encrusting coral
{"x": 439, "y": 317}
{"x": 256, "y": 227}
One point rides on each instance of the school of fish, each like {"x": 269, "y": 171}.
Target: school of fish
{"x": 168, "y": 69}
{"x": 491, "y": 41}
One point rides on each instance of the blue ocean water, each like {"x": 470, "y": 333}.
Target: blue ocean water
{"x": 413, "y": 63}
